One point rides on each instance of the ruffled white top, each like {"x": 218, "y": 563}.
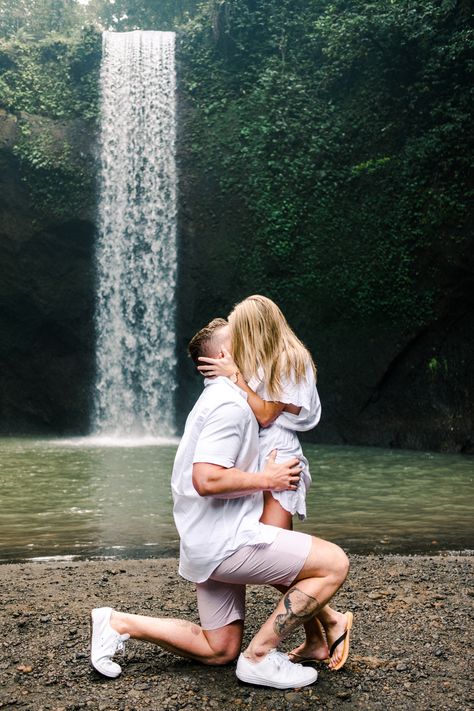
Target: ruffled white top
{"x": 281, "y": 434}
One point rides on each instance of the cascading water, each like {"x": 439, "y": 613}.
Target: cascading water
{"x": 136, "y": 249}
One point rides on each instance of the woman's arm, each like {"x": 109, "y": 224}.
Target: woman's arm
{"x": 266, "y": 411}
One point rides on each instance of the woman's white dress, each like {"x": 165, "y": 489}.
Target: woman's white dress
{"x": 281, "y": 434}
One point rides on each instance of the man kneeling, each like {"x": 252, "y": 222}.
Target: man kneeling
{"x": 218, "y": 501}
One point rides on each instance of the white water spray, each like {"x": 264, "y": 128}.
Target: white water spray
{"x": 136, "y": 250}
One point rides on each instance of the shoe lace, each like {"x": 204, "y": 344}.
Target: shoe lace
{"x": 281, "y": 660}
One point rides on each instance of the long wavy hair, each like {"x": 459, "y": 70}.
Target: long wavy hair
{"x": 263, "y": 343}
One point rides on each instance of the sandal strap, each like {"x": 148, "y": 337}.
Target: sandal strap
{"x": 337, "y": 642}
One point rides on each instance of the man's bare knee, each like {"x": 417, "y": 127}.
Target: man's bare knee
{"x": 224, "y": 655}
{"x": 342, "y": 566}
{"x": 325, "y": 559}
{"x": 225, "y": 644}
{"x": 338, "y": 566}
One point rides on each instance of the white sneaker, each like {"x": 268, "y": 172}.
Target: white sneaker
{"x": 275, "y": 670}
{"x": 105, "y": 642}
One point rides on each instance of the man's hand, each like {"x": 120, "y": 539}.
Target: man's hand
{"x": 284, "y": 476}
{"x": 230, "y": 483}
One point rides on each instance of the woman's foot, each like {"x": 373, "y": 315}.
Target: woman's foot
{"x": 338, "y": 636}
{"x": 314, "y": 648}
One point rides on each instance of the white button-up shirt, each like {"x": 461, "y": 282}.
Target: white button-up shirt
{"x": 221, "y": 429}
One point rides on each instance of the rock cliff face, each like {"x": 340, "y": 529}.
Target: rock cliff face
{"x": 378, "y": 384}
{"x": 46, "y": 303}
{"x": 415, "y": 392}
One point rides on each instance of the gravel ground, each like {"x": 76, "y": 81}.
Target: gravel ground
{"x": 411, "y": 643}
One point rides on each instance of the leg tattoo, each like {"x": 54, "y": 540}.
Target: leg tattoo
{"x": 299, "y": 606}
{"x": 194, "y": 629}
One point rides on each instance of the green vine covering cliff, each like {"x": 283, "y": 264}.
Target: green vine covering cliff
{"x": 51, "y": 87}
{"x": 346, "y": 126}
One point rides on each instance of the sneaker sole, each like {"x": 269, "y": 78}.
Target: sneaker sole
{"x": 273, "y": 684}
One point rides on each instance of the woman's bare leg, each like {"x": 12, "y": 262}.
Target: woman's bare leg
{"x": 274, "y": 514}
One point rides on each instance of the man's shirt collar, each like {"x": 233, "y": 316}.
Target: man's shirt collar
{"x": 212, "y": 381}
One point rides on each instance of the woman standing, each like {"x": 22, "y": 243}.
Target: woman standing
{"x": 273, "y": 367}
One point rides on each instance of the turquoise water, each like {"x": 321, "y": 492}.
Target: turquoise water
{"x": 90, "y": 498}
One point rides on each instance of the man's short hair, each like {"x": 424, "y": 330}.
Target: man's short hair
{"x": 202, "y": 344}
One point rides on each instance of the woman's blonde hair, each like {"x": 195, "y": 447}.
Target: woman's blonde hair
{"x": 262, "y": 339}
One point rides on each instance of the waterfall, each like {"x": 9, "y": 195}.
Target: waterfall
{"x": 136, "y": 247}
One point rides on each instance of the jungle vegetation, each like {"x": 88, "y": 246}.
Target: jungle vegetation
{"x": 345, "y": 126}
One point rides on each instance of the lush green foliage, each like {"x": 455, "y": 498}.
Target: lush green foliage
{"x": 347, "y": 127}
{"x": 55, "y": 77}
{"x": 49, "y": 78}
{"x": 49, "y": 73}
{"x": 51, "y": 86}
{"x": 126, "y": 15}
{"x": 34, "y": 19}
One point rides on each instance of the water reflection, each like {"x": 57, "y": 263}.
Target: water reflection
{"x": 79, "y": 497}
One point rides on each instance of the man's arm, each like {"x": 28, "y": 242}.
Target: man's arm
{"x": 229, "y": 483}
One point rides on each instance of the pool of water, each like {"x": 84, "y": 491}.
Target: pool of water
{"x": 87, "y": 498}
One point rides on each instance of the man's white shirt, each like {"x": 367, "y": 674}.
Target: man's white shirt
{"x": 221, "y": 429}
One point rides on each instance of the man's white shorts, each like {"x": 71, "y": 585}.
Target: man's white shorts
{"x": 221, "y": 599}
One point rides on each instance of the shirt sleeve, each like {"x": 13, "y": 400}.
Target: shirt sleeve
{"x": 298, "y": 394}
{"x": 221, "y": 436}
{"x": 304, "y": 395}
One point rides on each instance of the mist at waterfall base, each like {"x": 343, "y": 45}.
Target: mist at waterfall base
{"x": 81, "y": 499}
{"x": 136, "y": 245}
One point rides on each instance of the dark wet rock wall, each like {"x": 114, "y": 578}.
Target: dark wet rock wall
{"x": 46, "y": 305}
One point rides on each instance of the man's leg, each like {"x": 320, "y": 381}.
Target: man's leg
{"x": 323, "y": 573}
{"x": 183, "y": 637}
{"x": 318, "y": 642}
{"x": 218, "y": 641}
{"x": 322, "y": 631}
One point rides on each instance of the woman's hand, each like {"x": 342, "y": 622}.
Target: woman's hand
{"x": 212, "y": 367}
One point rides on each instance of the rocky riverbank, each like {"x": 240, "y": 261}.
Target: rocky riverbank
{"x": 410, "y": 648}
